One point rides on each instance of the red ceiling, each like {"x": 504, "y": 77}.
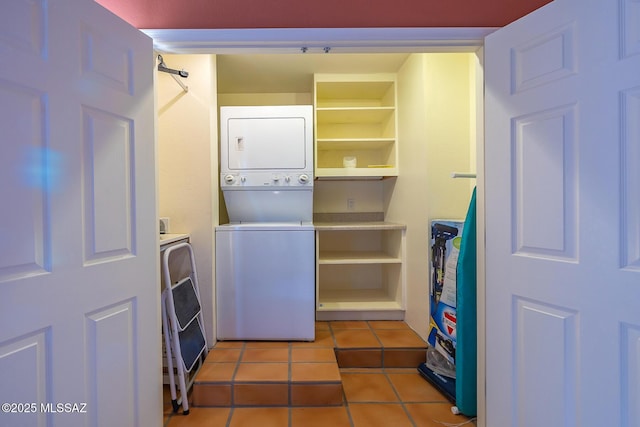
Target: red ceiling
{"x": 209, "y": 14}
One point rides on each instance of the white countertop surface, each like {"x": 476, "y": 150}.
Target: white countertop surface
{"x": 166, "y": 239}
{"x": 359, "y": 225}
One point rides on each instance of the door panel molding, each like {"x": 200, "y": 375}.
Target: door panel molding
{"x": 544, "y": 59}
{"x": 25, "y": 132}
{"x": 544, "y": 184}
{"x": 552, "y": 356}
{"x": 629, "y": 30}
{"x": 105, "y": 61}
{"x": 24, "y": 30}
{"x": 111, "y": 358}
{"x": 630, "y": 373}
{"x": 109, "y": 186}
{"x": 30, "y": 356}
{"x": 630, "y": 158}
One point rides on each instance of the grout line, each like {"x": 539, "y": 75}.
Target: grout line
{"x": 235, "y": 371}
{"x": 382, "y": 348}
{"x": 230, "y": 415}
{"x": 346, "y": 405}
{"x": 333, "y": 337}
{"x": 233, "y": 378}
{"x": 393, "y": 387}
{"x": 290, "y": 387}
{"x": 376, "y": 402}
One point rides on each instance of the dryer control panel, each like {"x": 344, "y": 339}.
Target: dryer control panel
{"x": 265, "y": 179}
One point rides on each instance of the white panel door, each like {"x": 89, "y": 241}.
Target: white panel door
{"x": 79, "y": 303}
{"x": 562, "y": 162}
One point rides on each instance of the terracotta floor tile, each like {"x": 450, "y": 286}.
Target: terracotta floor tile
{"x": 223, "y": 355}
{"x": 310, "y": 390}
{"x": 313, "y": 355}
{"x": 317, "y": 394}
{"x": 320, "y": 417}
{"x": 368, "y": 388}
{"x": 267, "y": 344}
{"x": 349, "y": 324}
{"x": 400, "y": 370}
{"x": 433, "y": 414}
{"x": 355, "y": 338}
{"x": 258, "y": 372}
{"x": 261, "y": 394}
{"x": 322, "y": 326}
{"x": 211, "y": 395}
{"x": 265, "y": 355}
{"x": 414, "y": 388}
{"x": 323, "y": 339}
{"x": 379, "y": 415}
{"x": 216, "y": 372}
{"x": 388, "y": 324}
{"x": 359, "y": 358}
{"x": 263, "y": 417}
{"x": 315, "y": 372}
{"x": 404, "y": 358}
{"x": 399, "y": 338}
{"x": 201, "y": 417}
{"x": 361, "y": 371}
{"x": 229, "y": 344}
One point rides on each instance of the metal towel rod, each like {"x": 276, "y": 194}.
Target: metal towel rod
{"x": 463, "y": 175}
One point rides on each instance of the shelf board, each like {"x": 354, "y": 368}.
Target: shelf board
{"x": 356, "y": 300}
{"x": 355, "y": 172}
{"x": 324, "y": 226}
{"x": 350, "y": 115}
{"x": 337, "y": 144}
{"x": 345, "y": 257}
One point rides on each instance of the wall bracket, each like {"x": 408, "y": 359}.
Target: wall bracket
{"x": 182, "y": 73}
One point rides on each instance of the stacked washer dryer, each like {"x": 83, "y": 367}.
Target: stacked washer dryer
{"x": 265, "y": 256}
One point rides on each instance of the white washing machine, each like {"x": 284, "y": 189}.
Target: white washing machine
{"x": 265, "y": 276}
{"x": 265, "y": 256}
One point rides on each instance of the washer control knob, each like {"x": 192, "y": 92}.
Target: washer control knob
{"x": 229, "y": 179}
{"x": 303, "y": 179}
{"x": 287, "y": 178}
{"x": 276, "y": 178}
{"x": 243, "y": 178}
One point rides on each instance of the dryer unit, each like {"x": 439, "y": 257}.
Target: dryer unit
{"x": 266, "y": 163}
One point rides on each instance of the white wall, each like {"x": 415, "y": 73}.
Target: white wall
{"x": 332, "y": 196}
{"x": 435, "y": 139}
{"x": 265, "y": 98}
{"x": 187, "y": 164}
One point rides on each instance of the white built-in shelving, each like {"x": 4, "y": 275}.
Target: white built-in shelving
{"x": 355, "y": 116}
{"x": 360, "y": 270}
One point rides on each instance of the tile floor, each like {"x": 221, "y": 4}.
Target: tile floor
{"x": 356, "y": 374}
